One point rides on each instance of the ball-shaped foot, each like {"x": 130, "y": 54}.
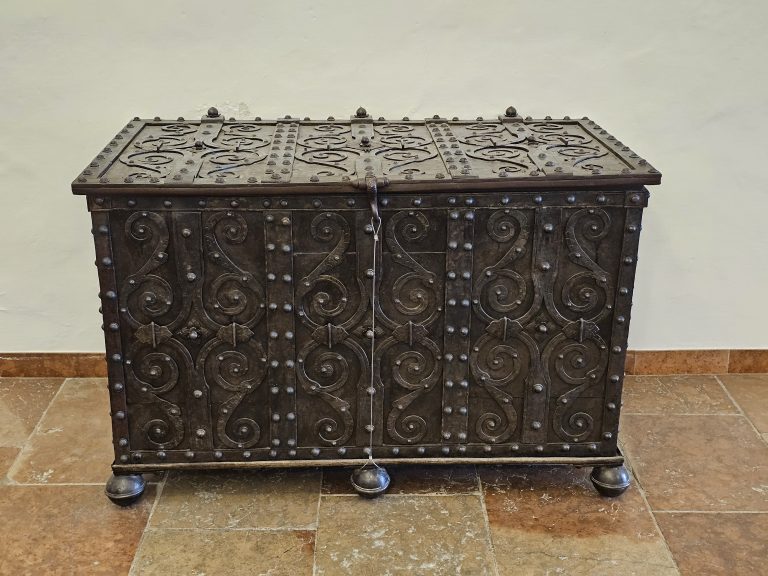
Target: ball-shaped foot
{"x": 124, "y": 490}
{"x": 370, "y": 480}
{"x": 610, "y": 480}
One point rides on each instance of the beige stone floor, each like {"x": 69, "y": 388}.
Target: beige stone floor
{"x": 697, "y": 447}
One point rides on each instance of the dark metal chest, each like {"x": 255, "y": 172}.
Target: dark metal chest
{"x": 239, "y": 275}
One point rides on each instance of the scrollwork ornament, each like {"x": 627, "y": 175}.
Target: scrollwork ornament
{"x": 588, "y": 292}
{"x": 579, "y": 365}
{"x": 149, "y": 376}
{"x": 145, "y": 296}
{"x": 495, "y": 365}
{"x": 235, "y": 295}
{"x": 324, "y": 373}
{"x": 322, "y": 297}
{"x": 414, "y": 292}
{"x": 500, "y": 290}
{"x": 238, "y": 369}
{"x": 418, "y": 371}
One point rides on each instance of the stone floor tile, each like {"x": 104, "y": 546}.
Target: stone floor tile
{"x": 409, "y": 480}
{"x": 550, "y": 520}
{"x": 229, "y": 552}
{"x": 73, "y": 443}
{"x": 698, "y": 462}
{"x": 751, "y": 393}
{"x": 682, "y": 394}
{"x": 22, "y": 403}
{"x": 240, "y": 499}
{"x": 721, "y": 543}
{"x": 402, "y": 535}
{"x": 68, "y": 530}
{"x": 7, "y": 456}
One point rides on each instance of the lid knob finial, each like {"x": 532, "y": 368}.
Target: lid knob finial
{"x": 511, "y": 112}
{"x": 213, "y": 112}
{"x": 361, "y": 112}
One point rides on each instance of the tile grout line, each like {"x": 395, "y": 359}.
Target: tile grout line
{"x": 659, "y": 375}
{"x": 644, "y": 497}
{"x": 317, "y": 522}
{"x": 229, "y": 529}
{"x": 58, "y": 484}
{"x": 411, "y": 494}
{"x": 24, "y": 448}
{"x": 741, "y": 412}
{"x": 712, "y": 511}
{"x": 676, "y": 414}
{"x": 158, "y": 493}
{"x": 487, "y": 523}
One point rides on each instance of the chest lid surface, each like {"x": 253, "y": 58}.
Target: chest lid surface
{"x": 289, "y": 155}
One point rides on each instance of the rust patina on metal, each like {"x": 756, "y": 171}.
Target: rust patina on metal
{"x": 236, "y": 257}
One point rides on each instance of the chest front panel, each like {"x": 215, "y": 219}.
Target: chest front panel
{"x": 246, "y": 325}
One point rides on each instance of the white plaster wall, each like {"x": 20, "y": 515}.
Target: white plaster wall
{"x": 684, "y": 83}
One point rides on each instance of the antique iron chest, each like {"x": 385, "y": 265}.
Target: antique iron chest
{"x": 239, "y": 262}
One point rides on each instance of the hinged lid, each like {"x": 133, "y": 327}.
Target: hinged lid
{"x": 290, "y": 155}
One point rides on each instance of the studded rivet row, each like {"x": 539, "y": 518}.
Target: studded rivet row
{"x": 281, "y": 344}
{"x": 282, "y": 152}
{"x": 111, "y": 324}
{"x": 635, "y": 164}
{"x": 186, "y": 243}
{"x": 456, "y": 340}
{"x": 365, "y": 259}
{"x": 454, "y": 157}
{"x": 546, "y": 252}
{"x": 620, "y": 329}
{"x": 97, "y": 169}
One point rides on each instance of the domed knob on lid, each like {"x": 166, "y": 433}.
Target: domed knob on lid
{"x": 213, "y": 112}
{"x": 361, "y": 112}
{"x": 510, "y": 112}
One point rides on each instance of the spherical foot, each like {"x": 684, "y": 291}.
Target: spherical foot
{"x": 610, "y": 481}
{"x": 124, "y": 490}
{"x": 370, "y": 480}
